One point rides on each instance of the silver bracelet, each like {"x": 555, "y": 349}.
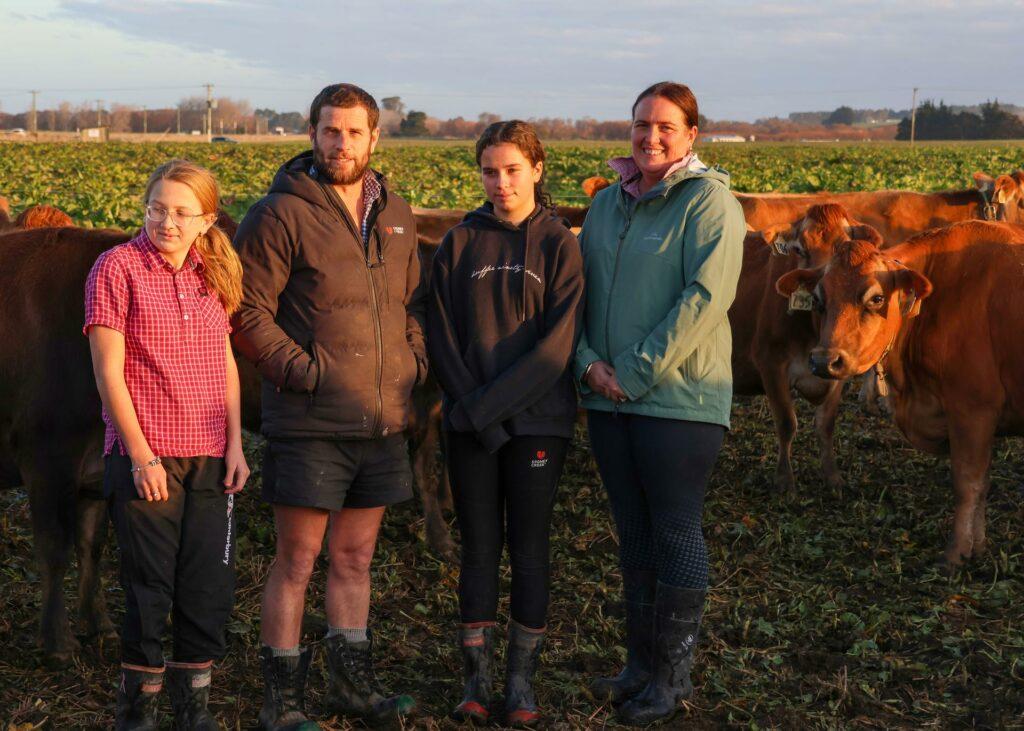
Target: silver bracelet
{"x": 151, "y": 463}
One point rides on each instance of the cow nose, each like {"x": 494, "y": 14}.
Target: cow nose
{"x": 827, "y": 363}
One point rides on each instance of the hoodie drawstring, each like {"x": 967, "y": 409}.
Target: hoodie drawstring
{"x": 526, "y": 251}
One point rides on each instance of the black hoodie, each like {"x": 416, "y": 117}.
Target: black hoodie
{"x": 333, "y": 325}
{"x": 505, "y": 313}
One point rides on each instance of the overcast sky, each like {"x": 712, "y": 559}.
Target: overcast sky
{"x": 528, "y": 58}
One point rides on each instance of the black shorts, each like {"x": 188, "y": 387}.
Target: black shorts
{"x": 335, "y": 474}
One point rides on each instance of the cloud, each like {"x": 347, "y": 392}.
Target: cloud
{"x": 534, "y": 58}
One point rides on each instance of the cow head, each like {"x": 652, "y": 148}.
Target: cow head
{"x": 43, "y": 217}
{"x": 1003, "y": 196}
{"x": 813, "y": 237}
{"x": 594, "y": 185}
{"x": 862, "y": 298}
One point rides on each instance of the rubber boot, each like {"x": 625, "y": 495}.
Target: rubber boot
{"x": 188, "y": 685}
{"x": 639, "y": 588}
{"x": 677, "y": 616}
{"x": 476, "y": 641}
{"x": 284, "y": 692}
{"x": 138, "y": 698}
{"x": 353, "y": 689}
{"x": 524, "y": 646}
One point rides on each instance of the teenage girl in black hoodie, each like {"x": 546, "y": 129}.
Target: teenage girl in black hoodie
{"x": 505, "y": 313}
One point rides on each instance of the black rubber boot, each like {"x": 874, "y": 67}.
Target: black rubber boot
{"x": 188, "y": 685}
{"x": 639, "y": 588}
{"x": 523, "y": 655}
{"x": 138, "y": 698}
{"x": 353, "y": 688}
{"x": 477, "y": 644}
{"x": 284, "y": 692}
{"x": 677, "y": 615}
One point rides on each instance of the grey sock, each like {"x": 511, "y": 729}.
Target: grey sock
{"x": 351, "y": 634}
{"x": 285, "y": 651}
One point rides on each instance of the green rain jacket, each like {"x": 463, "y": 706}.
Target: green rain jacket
{"x": 661, "y": 273}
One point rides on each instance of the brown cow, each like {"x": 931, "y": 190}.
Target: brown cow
{"x": 771, "y": 343}
{"x": 896, "y": 214}
{"x": 900, "y": 214}
{"x": 939, "y": 320}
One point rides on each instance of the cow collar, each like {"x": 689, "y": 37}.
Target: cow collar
{"x": 989, "y": 210}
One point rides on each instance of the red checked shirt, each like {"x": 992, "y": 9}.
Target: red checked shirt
{"x": 175, "y": 349}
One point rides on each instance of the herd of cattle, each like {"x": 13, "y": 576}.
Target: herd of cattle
{"x": 923, "y": 293}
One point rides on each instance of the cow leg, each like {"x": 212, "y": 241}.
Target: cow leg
{"x": 970, "y": 448}
{"x": 776, "y": 388}
{"x": 53, "y": 505}
{"x": 424, "y": 461}
{"x": 979, "y": 542}
{"x": 825, "y": 427}
{"x": 89, "y": 544}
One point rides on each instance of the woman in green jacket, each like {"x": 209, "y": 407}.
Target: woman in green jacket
{"x": 662, "y": 251}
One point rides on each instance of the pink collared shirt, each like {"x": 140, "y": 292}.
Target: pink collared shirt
{"x": 629, "y": 173}
{"x": 175, "y": 362}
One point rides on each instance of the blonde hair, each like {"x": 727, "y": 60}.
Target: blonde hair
{"x": 223, "y": 273}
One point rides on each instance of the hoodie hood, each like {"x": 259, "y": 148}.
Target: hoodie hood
{"x": 535, "y": 226}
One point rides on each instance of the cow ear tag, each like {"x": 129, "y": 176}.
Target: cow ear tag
{"x": 800, "y": 301}
{"x": 911, "y": 306}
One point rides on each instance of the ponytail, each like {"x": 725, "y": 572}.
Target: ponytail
{"x": 223, "y": 273}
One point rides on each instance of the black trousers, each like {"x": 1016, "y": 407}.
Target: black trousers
{"x": 655, "y": 472}
{"x": 510, "y": 492}
{"x": 177, "y": 558}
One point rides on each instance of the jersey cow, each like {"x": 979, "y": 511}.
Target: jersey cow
{"x": 938, "y": 319}
{"x": 771, "y": 340}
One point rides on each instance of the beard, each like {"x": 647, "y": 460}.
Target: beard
{"x": 335, "y": 172}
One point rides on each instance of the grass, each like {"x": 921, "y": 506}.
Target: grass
{"x": 826, "y": 608}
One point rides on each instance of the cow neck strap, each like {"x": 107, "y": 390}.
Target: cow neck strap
{"x": 989, "y": 210}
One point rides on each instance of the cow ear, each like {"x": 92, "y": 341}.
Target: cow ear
{"x": 594, "y": 185}
{"x": 984, "y": 183}
{"x": 913, "y": 287}
{"x": 1005, "y": 189}
{"x": 781, "y": 231}
{"x": 797, "y": 279}
{"x": 864, "y": 232}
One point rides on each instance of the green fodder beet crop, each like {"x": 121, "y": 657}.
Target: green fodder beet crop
{"x": 100, "y": 185}
{"x": 825, "y": 609}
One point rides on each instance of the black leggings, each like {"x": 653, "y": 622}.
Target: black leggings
{"x": 513, "y": 489}
{"x": 656, "y": 471}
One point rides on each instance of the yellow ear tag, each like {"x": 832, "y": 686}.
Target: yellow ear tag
{"x": 800, "y": 301}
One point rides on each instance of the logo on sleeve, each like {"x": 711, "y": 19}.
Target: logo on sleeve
{"x": 394, "y": 230}
{"x": 540, "y": 459}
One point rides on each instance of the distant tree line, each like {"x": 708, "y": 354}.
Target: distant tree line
{"x": 940, "y": 122}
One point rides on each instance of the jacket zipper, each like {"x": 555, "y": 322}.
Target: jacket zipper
{"x": 378, "y": 414}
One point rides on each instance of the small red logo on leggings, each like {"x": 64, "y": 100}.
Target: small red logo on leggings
{"x": 541, "y": 459}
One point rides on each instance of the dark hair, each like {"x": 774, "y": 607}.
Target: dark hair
{"x": 678, "y": 94}
{"x": 343, "y": 95}
{"x": 524, "y": 136}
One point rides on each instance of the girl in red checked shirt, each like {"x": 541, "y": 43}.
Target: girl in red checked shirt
{"x": 156, "y": 314}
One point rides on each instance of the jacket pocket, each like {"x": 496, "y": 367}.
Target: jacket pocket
{"x": 316, "y": 356}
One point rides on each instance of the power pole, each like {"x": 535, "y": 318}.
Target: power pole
{"x": 913, "y": 117}
{"x": 145, "y": 125}
{"x": 209, "y": 112}
{"x": 99, "y": 112}
{"x": 32, "y": 125}
{"x": 179, "y": 119}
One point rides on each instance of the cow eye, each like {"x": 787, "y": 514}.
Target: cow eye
{"x": 877, "y": 301}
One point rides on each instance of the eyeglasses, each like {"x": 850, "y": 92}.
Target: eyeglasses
{"x": 181, "y": 220}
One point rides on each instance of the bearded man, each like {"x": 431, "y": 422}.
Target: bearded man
{"x": 332, "y": 316}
